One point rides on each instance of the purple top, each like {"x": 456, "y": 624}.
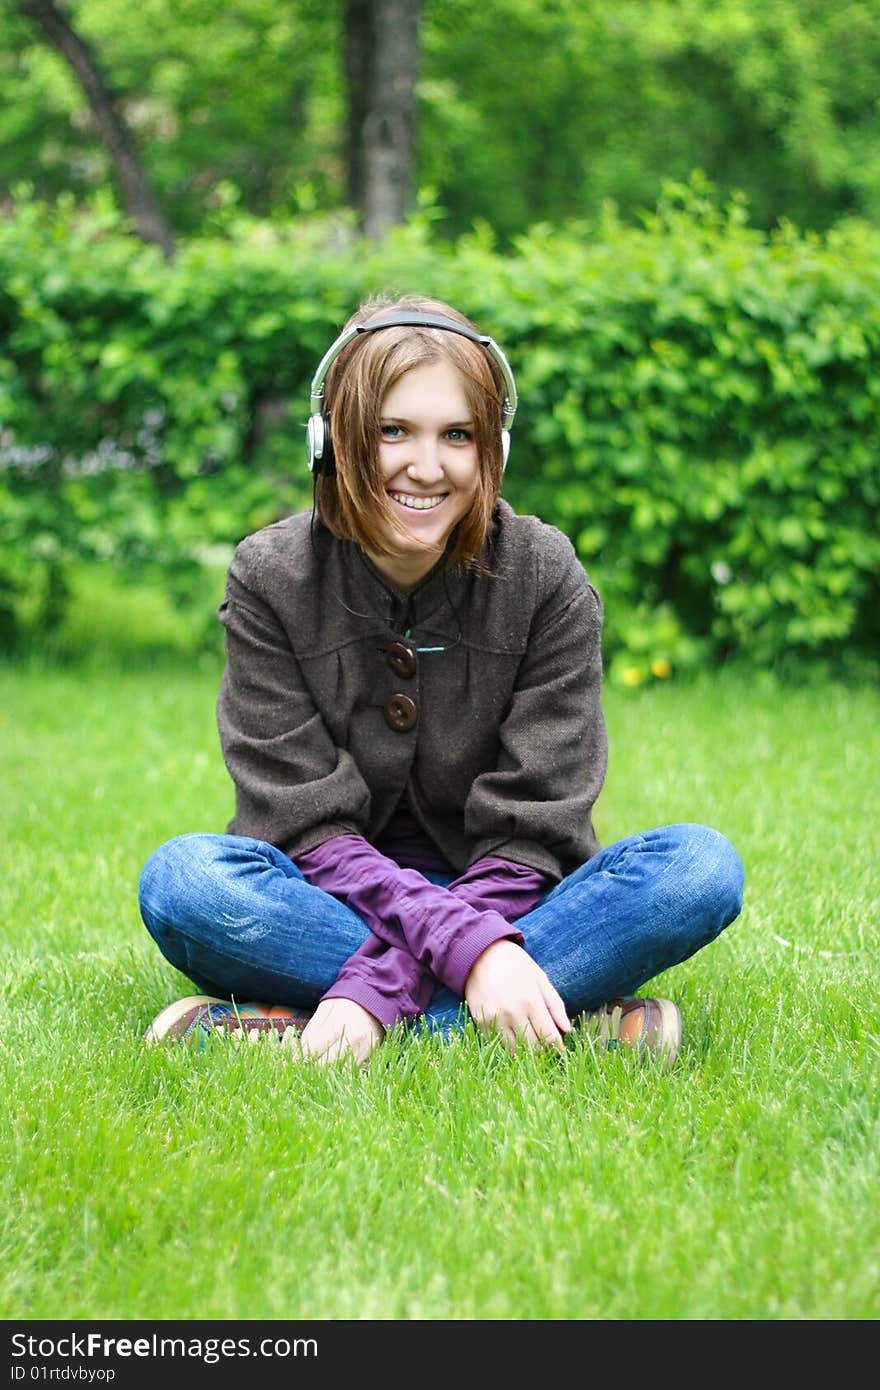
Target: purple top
{"x": 421, "y": 932}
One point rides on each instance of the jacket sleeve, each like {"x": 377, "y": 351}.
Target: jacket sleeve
{"x": 534, "y": 805}
{"x": 293, "y": 786}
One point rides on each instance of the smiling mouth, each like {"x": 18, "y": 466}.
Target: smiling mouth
{"x": 417, "y": 504}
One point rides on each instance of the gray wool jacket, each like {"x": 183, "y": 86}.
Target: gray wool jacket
{"x": 478, "y": 697}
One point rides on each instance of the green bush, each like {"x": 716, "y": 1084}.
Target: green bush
{"x": 698, "y": 408}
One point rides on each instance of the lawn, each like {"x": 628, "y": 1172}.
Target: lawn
{"x": 447, "y": 1181}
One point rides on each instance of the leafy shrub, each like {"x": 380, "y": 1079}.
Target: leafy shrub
{"x": 698, "y": 408}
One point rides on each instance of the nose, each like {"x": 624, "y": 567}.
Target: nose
{"x": 425, "y": 466}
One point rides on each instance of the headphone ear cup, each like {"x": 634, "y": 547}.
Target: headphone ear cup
{"x": 328, "y": 462}
{"x": 505, "y": 448}
{"x": 320, "y": 445}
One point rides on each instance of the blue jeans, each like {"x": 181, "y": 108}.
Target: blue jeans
{"x": 238, "y": 918}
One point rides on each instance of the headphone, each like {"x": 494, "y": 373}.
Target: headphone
{"x": 320, "y": 442}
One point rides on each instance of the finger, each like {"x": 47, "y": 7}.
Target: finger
{"x": 556, "y": 1008}
{"x": 291, "y": 1041}
{"x": 319, "y": 1043}
{"x": 332, "y": 1050}
{"x": 340, "y": 1045}
{"x": 512, "y": 1038}
{"x": 486, "y": 1021}
{"x": 530, "y": 1036}
{"x": 545, "y": 1030}
{"x": 518, "y": 1032}
{"x": 496, "y": 1025}
{"x": 308, "y": 1036}
{"x": 358, "y": 1048}
{"x": 315, "y": 1028}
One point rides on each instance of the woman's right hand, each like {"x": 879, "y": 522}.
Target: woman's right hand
{"x": 340, "y": 1027}
{"x": 507, "y": 990}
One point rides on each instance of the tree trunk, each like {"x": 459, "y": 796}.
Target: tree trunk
{"x": 381, "y": 61}
{"x": 138, "y": 198}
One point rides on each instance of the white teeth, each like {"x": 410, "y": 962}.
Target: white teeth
{"x": 416, "y": 504}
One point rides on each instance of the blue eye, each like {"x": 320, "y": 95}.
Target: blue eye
{"x": 391, "y": 431}
{"x": 458, "y": 436}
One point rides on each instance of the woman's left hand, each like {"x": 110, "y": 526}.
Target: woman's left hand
{"x": 508, "y": 991}
{"x": 339, "y": 1028}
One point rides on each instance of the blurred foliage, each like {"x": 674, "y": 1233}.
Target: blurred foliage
{"x": 544, "y": 109}
{"x": 699, "y": 408}
{"x": 529, "y": 110}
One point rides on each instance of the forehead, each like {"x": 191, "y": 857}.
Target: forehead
{"x": 432, "y": 389}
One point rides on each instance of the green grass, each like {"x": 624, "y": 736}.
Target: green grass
{"x": 446, "y": 1181}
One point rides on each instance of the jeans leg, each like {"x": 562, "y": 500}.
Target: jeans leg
{"x": 238, "y": 918}
{"x": 635, "y": 909}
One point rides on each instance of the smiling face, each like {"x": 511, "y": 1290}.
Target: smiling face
{"x": 428, "y": 466}
{"x": 415, "y": 414}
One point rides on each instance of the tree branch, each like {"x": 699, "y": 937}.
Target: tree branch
{"x": 139, "y": 200}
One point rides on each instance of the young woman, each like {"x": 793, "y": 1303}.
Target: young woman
{"x": 410, "y": 714}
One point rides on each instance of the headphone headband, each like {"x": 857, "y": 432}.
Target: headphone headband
{"x": 416, "y": 320}
{"x": 320, "y": 444}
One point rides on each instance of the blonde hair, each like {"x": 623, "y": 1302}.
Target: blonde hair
{"x": 352, "y": 502}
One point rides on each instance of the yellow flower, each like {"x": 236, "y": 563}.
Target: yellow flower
{"x": 661, "y": 667}
{"x": 632, "y": 675}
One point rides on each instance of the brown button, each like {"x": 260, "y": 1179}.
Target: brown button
{"x": 400, "y": 713}
{"x": 401, "y": 659}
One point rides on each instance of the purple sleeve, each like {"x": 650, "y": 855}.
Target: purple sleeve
{"x": 500, "y": 885}
{"x": 442, "y": 930}
{"x": 386, "y": 981}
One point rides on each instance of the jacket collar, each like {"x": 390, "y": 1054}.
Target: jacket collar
{"x": 401, "y": 609}
{"x": 405, "y": 607}
{"x": 371, "y": 593}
